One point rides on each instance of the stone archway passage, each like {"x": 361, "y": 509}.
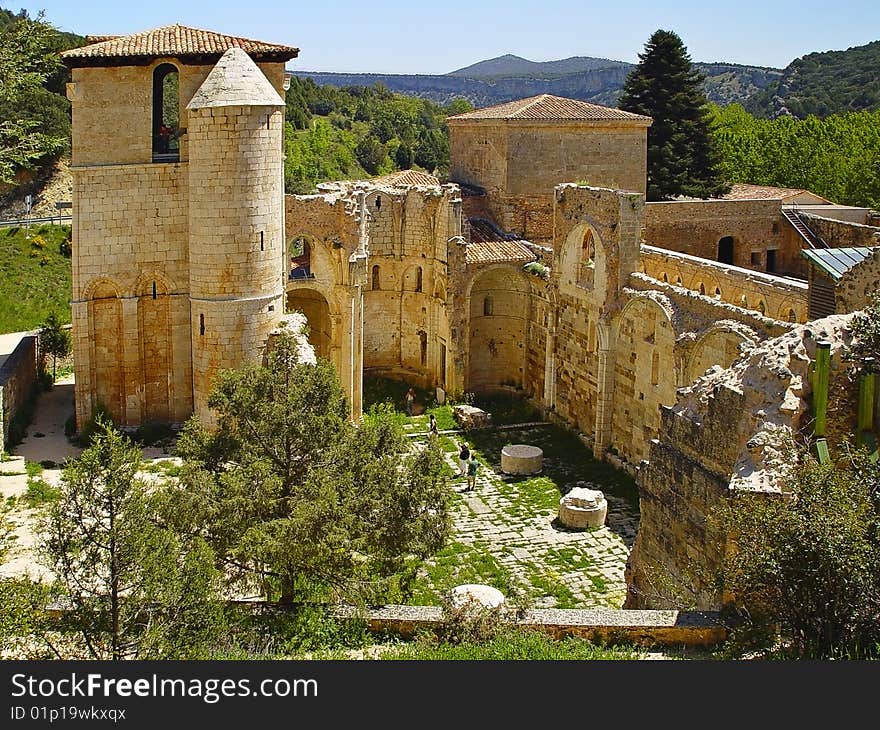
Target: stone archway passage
{"x": 317, "y": 312}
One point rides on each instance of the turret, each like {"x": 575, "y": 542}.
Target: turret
{"x": 236, "y": 218}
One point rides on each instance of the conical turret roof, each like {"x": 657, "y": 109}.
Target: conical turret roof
{"x": 235, "y": 81}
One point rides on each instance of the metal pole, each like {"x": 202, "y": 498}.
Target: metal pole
{"x": 820, "y": 386}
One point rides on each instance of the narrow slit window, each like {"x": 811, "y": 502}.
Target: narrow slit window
{"x": 201, "y": 324}
{"x": 154, "y": 290}
{"x": 262, "y": 245}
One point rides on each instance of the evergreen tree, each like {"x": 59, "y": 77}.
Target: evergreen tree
{"x": 134, "y": 589}
{"x": 298, "y": 502}
{"x": 682, "y": 159}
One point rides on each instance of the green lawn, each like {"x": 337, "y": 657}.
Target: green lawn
{"x": 35, "y": 276}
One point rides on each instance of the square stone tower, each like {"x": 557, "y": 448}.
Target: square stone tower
{"x": 171, "y": 265}
{"x": 516, "y": 153}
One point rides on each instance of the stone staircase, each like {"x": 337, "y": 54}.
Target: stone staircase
{"x": 812, "y": 239}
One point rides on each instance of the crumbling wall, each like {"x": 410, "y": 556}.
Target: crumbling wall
{"x": 729, "y": 430}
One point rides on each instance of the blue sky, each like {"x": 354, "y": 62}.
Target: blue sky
{"x": 416, "y": 36}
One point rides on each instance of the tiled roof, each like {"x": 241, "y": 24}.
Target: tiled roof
{"x": 549, "y": 107}
{"x": 742, "y": 191}
{"x": 403, "y": 178}
{"x": 488, "y": 244}
{"x": 837, "y": 261}
{"x": 175, "y": 41}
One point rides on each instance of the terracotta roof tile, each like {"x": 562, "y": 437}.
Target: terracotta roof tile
{"x": 742, "y": 191}
{"x": 172, "y": 40}
{"x": 403, "y": 178}
{"x": 488, "y": 244}
{"x": 549, "y": 107}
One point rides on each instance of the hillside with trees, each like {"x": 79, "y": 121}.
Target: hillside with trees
{"x": 358, "y": 132}
{"x": 34, "y": 111}
{"x": 833, "y": 82}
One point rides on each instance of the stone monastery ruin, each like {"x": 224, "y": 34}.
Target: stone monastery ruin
{"x": 538, "y": 268}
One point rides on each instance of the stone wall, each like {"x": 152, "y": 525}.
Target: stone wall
{"x": 780, "y": 298}
{"x": 112, "y": 109}
{"x": 859, "y": 284}
{"x": 519, "y": 162}
{"x": 236, "y": 238}
{"x": 130, "y": 292}
{"x": 756, "y": 226}
{"x": 498, "y": 328}
{"x": 728, "y": 431}
{"x": 840, "y": 234}
{"x": 18, "y": 375}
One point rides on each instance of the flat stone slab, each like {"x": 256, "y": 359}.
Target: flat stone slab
{"x": 522, "y": 459}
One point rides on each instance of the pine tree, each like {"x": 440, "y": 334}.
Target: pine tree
{"x": 682, "y": 159}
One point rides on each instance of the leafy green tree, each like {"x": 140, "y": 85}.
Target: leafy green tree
{"x": 808, "y": 562}
{"x": 297, "y": 500}
{"x": 135, "y": 589}
{"x": 664, "y": 85}
{"x": 837, "y": 157}
{"x": 27, "y": 58}
{"x": 865, "y": 349}
{"x": 370, "y": 153}
{"x": 54, "y": 340}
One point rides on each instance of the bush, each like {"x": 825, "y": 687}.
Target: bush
{"x": 806, "y": 567}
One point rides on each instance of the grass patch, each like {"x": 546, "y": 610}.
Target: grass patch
{"x": 456, "y": 564}
{"x": 36, "y": 276}
{"x": 511, "y": 644}
{"x": 39, "y": 492}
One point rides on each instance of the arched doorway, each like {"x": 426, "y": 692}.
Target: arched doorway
{"x": 317, "y": 312}
{"x": 725, "y": 250}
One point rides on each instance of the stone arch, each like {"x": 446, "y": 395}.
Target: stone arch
{"x": 718, "y": 345}
{"x": 106, "y": 338}
{"x": 644, "y": 373}
{"x": 497, "y": 342}
{"x": 582, "y": 257}
{"x": 726, "y": 250}
{"x": 319, "y": 308}
{"x": 309, "y": 257}
{"x": 155, "y": 350}
{"x": 413, "y": 278}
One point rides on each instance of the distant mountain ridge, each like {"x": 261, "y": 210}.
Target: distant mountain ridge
{"x": 510, "y": 65}
{"x": 509, "y": 77}
{"x": 824, "y": 83}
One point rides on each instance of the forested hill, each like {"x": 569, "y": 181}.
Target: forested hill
{"x": 510, "y": 77}
{"x": 833, "y": 82}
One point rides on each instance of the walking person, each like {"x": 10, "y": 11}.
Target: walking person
{"x": 432, "y": 426}
{"x": 464, "y": 453}
{"x": 472, "y": 467}
{"x": 410, "y": 400}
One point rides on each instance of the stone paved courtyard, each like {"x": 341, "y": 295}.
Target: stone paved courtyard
{"x": 508, "y": 528}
